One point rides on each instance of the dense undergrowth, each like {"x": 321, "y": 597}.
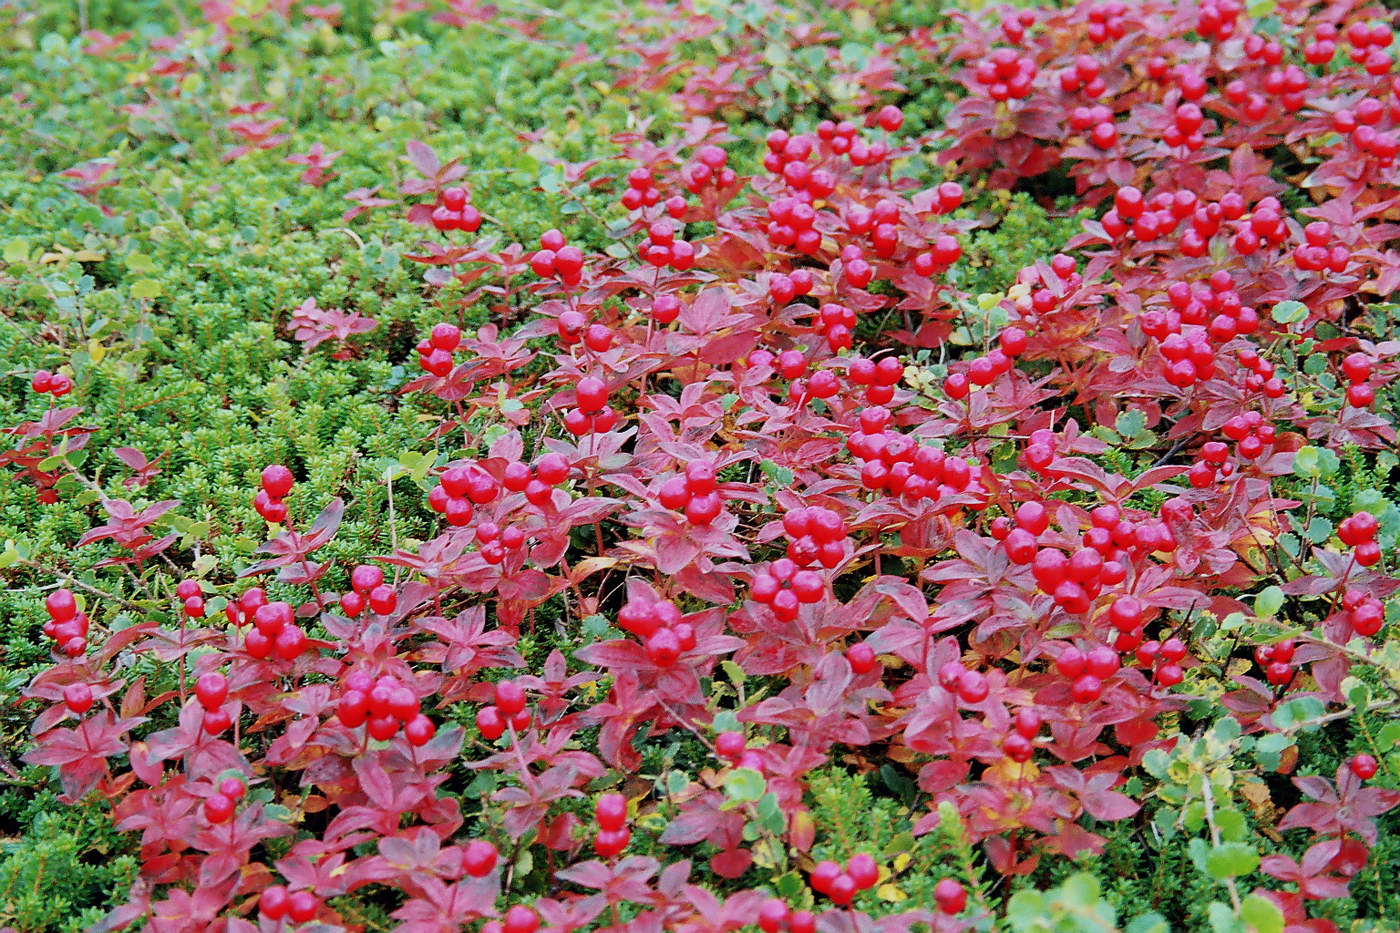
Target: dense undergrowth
{"x": 858, "y": 466}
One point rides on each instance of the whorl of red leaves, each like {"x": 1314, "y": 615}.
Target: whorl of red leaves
{"x": 800, "y": 509}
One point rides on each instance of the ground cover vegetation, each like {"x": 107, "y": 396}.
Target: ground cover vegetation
{"x": 704, "y": 466}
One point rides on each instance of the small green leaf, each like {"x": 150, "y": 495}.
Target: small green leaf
{"x": 145, "y": 288}
{"x": 780, "y": 475}
{"x": 1289, "y": 312}
{"x": 1130, "y": 423}
{"x": 744, "y": 785}
{"x": 726, "y": 721}
{"x": 1319, "y": 530}
{"x": 1262, "y": 915}
{"x": 1268, "y": 602}
{"x": 1230, "y": 860}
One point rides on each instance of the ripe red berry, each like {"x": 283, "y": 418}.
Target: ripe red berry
{"x": 277, "y": 481}
{"x": 273, "y": 902}
{"x": 479, "y": 859}
{"x": 302, "y": 906}
{"x": 211, "y": 689}
{"x": 1363, "y": 766}
{"x": 520, "y": 919}
{"x": 950, "y": 896}
{"x": 218, "y": 808}
{"x": 78, "y": 698}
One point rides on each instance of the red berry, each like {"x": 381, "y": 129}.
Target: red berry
{"x": 950, "y": 896}
{"x": 479, "y": 859}
{"x": 277, "y": 481}
{"x": 1364, "y": 767}
{"x": 218, "y": 808}
{"x": 78, "y": 698}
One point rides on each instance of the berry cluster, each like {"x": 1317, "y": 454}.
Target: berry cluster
{"x": 510, "y": 709}
{"x": 878, "y": 378}
{"x": 785, "y": 588}
{"x": 613, "y": 833}
{"x": 694, "y": 492}
{"x": 895, "y": 464}
{"x": 275, "y": 630}
{"x": 642, "y": 192}
{"x": 1358, "y": 532}
{"x": 1097, "y": 121}
{"x": 556, "y": 259}
{"x": 984, "y": 370}
{"x": 1019, "y": 744}
{"x": 367, "y": 588}
{"x": 708, "y": 168}
{"x": 783, "y": 288}
{"x": 774, "y": 915}
{"x": 454, "y": 212}
{"x": 1215, "y": 19}
{"x": 969, "y": 685}
{"x": 220, "y": 805}
{"x": 67, "y": 626}
{"x": 1006, "y": 74}
{"x": 815, "y": 534}
{"x": 435, "y": 353}
{"x": 733, "y": 748}
{"x": 47, "y": 383}
{"x": 382, "y": 705}
{"x": 791, "y": 219}
{"x": 1364, "y": 612}
{"x": 1084, "y": 75}
{"x": 191, "y": 598}
{"x": 593, "y": 415}
{"x": 663, "y": 249}
{"x": 1164, "y": 657}
{"x": 276, "y": 484}
{"x": 460, "y": 488}
{"x": 658, "y": 624}
{"x": 211, "y": 690}
{"x": 536, "y": 481}
{"x": 841, "y": 886}
{"x": 1276, "y": 662}
{"x": 1369, "y": 44}
{"x": 1087, "y": 670}
{"x": 277, "y": 903}
{"x": 1357, "y": 369}
{"x": 1250, "y": 434}
{"x": 497, "y": 542}
{"x": 1359, "y": 124}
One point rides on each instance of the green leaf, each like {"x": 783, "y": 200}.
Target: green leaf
{"x": 16, "y": 251}
{"x": 726, "y": 721}
{"x": 1148, "y": 923}
{"x": 1130, "y": 423}
{"x": 1268, "y": 602}
{"x": 1258, "y": 9}
{"x": 744, "y": 785}
{"x": 1289, "y": 312}
{"x": 780, "y": 475}
{"x": 1230, "y": 860}
{"x": 1305, "y": 462}
{"x": 145, "y": 288}
{"x": 1261, "y": 914}
{"x": 1319, "y": 530}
